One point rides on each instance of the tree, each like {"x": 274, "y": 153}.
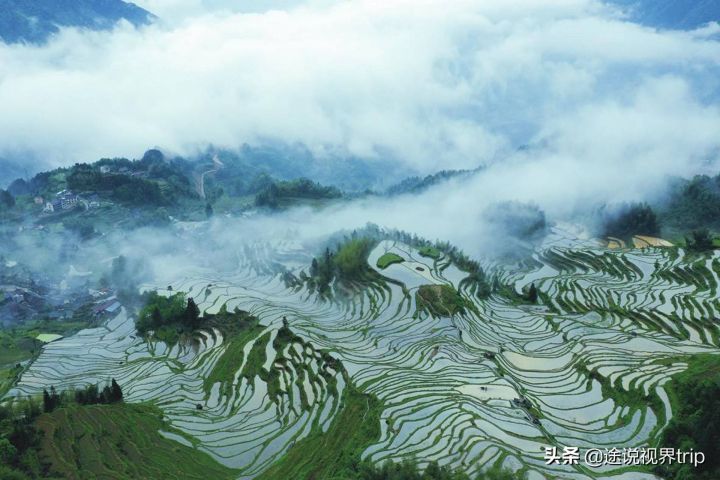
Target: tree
{"x": 47, "y": 402}
{"x": 192, "y": 314}
{"x": 6, "y": 199}
{"x": 117, "y": 391}
{"x": 7, "y": 452}
{"x": 699, "y": 240}
{"x": 117, "y": 394}
{"x": 105, "y": 395}
{"x": 91, "y": 394}
{"x": 50, "y": 400}
{"x": 155, "y": 318}
{"x": 30, "y": 409}
{"x": 629, "y": 220}
{"x": 532, "y": 293}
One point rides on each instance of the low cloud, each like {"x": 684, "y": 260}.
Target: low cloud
{"x": 432, "y": 84}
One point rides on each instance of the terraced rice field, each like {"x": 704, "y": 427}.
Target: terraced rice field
{"x": 117, "y": 442}
{"x": 641, "y": 241}
{"x": 491, "y": 384}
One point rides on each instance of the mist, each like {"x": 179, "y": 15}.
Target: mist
{"x": 566, "y": 104}
{"x": 429, "y": 84}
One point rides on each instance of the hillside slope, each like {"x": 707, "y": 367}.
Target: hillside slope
{"x": 35, "y": 21}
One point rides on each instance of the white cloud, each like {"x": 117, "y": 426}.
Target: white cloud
{"x": 436, "y": 84}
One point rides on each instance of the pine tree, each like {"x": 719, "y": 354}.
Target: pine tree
{"x": 105, "y": 395}
{"x": 192, "y": 314}
{"x": 532, "y": 293}
{"x": 91, "y": 395}
{"x": 117, "y": 394}
{"x": 47, "y": 402}
{"x": 54, "y": 398}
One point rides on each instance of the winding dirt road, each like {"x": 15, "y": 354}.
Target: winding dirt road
{"x": 217, "y": 165}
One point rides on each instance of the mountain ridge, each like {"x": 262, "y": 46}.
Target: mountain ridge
{"x": 35, "y": 21}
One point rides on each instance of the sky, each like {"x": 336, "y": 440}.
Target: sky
{"x": 566, "y": 94}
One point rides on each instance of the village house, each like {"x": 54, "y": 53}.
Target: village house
{"x": 108, "y": 307}
{"x": 65, "y": 200}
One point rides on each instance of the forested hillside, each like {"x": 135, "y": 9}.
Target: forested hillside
{"x": 35, "y": 21}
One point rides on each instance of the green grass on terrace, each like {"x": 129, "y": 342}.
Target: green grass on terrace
{"x": 388, "y": 259}
{"x": 118, "y": 442}
{"x": 430, "y": 252}
{"x": 335, "y": 454}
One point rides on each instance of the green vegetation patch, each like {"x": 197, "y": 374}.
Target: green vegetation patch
{"x": 119, "y": 441}
{"x": 285, "y": 193}
{"x": 695, "y": 398}
{"x": 173, "y": 317}
{"x": 348, "y": 264}
{"x": 410, "y": 470}
{"x": 334, "y": 454}
{"x": 20, "y": 343}
{"x": 388, "y": 259}
{"x": 168, "y": 317}
{"x": 441, "y": 300}
{"x": 631, "y": 219}
{"x": 633, "y": 398}
{"x": 231, "y": 359}
{"x": 430, "y": 252}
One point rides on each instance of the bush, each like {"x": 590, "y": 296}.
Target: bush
{"x": 173, "y": 312}
{"x": 696, "y": 419}
{"x": 631, "y": 219}
{"x": 699, "y": 241}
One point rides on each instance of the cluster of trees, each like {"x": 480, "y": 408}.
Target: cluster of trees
{"x": 124, "y": 276}
{"x": 440, "y": 300}
{"x": 693, "y": 203}
{"x": 358, "y": 246}
{"x": 409, "y": 470}
{"x": 19, "y": 436}
{"x": 84, "y": 228}
{"x": 630, "y": 219}
{"x": 476, "y": 275}
{"x": 7, "y": 201}
{"x": 532, "y": 294}
{"x": 122, "y": 188}
{"x": 695, "y": 394}
{"x": 516, "y": 219}
{"x": 174, "y": 312}
{"x": 90, "y": 395}
{"x": 119, "y": 183}
{"x": 348, "y": 262}
{"x": 19, "y": 439}
{"x": 299, "y": 188}
{"x": 245, "y": 169}
{"x": 237, "y": 181}
{"x": 420, "y": 184}
{"x": 699, "y": 241}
